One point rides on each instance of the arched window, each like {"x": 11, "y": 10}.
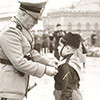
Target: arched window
{"x": 69, "y": 27}
{"x": 78, "y": 26}
{"x": 88, "y": 26}
{"x": 96, "y": 26}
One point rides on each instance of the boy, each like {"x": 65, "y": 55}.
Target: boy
{"x": 68, "y": 77}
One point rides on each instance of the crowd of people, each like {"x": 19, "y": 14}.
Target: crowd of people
{"x": 47, "y": 42}
{"x": 42, "y": 42}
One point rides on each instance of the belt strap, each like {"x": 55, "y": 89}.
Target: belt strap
{"x": 4, "y": 61}
{"x": 3, "y": 98}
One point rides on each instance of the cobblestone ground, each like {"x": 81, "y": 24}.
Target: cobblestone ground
{"x": 90, "y": 83}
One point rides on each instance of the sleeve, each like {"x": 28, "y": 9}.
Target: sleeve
{"x": 67, "y": 86}
{"x": 37, "y": 57}
{"x": 11, "y": 45}
{"x": 69, "y": 83}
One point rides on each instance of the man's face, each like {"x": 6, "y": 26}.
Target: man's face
{"x": 30, "y": 21}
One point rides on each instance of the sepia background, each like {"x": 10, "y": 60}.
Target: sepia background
{"x": 79, "y": 16}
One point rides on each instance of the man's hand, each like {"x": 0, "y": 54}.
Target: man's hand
{"x": 53, "y": 63}
{"x": 51, "y": 71}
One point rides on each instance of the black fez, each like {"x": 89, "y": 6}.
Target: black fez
{"x": 71, "y": 39}
{"x": 58, "y": 25}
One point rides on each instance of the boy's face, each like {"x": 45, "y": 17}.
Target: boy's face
{"x": 80, "y": 47}
{"x": 60, "y": 47}
{"x": 64, "y": 50}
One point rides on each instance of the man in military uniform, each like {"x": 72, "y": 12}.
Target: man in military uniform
{"x": 57, "y": 35}
{"x": 17, "y": 58}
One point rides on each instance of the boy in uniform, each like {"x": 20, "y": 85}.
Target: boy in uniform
{"x": 68, "y": 76}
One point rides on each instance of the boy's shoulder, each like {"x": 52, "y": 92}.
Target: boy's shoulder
{"x": 64, "y": 67}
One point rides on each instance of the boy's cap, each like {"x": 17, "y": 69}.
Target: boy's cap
{"x": 71, "y": 39}
{"x": 33, "y": 7}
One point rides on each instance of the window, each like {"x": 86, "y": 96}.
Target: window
{"x": 78, "y": 26}
{"x": 69, "y": 27}
{"x": 96, "y": 26}
{"x": 88, "y": 26}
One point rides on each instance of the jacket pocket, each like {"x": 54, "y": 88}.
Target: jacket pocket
{"x": 10, "y": 81}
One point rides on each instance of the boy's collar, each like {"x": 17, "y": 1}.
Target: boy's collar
{"x": 67, "y": 57}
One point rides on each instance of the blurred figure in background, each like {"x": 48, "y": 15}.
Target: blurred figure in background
{"x": 45, "y": 43}
{"x": 51, "y": 42}
{"x": 81, "y": 53}
{"x": 38, "y": 42}
{"x": 57, "y": 35}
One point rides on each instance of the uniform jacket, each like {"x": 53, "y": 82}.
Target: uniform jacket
{"x": 67, "y": 78}
{"x": 15, "y": 43}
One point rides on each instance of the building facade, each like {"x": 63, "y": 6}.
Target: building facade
{"x": 8, "y": 8}
{"x": 83, "y": 18}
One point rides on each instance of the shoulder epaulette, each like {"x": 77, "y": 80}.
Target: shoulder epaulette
{"x": 18, "y": 26}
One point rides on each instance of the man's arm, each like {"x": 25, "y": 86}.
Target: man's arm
{"x": 37, "y": 57}
{"x": 11, "y": 45}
